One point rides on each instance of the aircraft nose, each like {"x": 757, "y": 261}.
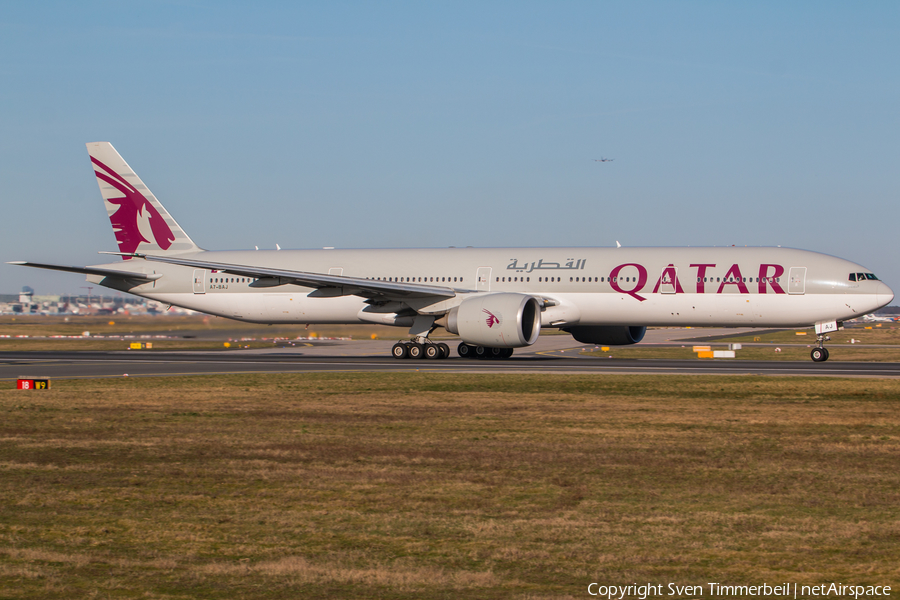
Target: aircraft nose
{"x": 884, "y": 294}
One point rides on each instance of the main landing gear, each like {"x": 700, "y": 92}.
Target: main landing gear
{"x": 469, "y": 351}
{"x": 416, "y": 350}
{"x": 820, "y": 352}
{"x": 421, "y": 346}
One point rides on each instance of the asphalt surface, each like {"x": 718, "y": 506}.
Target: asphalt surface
{"x": 551, "y": 354}
{"x": 68, "y": 365}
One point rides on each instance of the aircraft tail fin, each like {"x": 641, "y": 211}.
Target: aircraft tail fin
{"x": 138, "y": 219}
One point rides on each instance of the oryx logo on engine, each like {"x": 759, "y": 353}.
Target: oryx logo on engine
{"x": 492, "y": 318}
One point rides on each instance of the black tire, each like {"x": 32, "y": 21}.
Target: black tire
{"x": 819, "y": 354}
{"x": 496, "y": 353}
{"x": 445, "y": 350}
{"x": 400, "y": 351}
{"x": 465, "y": 350}
{"x": 481, "y": 352}
{"x": 432, "y": 351}
{"x": 507, "y": 353}
{"x": 416, "y": 351}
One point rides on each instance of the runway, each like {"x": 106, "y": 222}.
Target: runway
{"x": 86, "y": 365}
{"x": 550, "y": 354}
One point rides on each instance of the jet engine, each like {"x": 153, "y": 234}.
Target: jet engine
{"x": 496, "y": 320}
{"x": 607, "y": 335}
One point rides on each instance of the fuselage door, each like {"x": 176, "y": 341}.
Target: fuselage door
{"x": 667, "y": 280}
{"x": 199, "y": 281}
{"x": 483, "y": 279}
{"x": 797, "y": 280}
{"x": 336, "y": 271}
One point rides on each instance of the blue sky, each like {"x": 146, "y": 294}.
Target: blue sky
{"x": 439, "y": 124}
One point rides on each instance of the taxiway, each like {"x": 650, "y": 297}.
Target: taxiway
{"x": 551, "y": 354}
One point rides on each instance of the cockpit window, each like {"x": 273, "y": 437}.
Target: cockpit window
{"x": 863, "y": 277}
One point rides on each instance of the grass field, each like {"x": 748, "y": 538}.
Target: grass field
{"x": 111, "y": 333}
{"x": 780, "y": 345}
{"x": 199, "y": 325}
{"x": 748, "y": 352}
{"x": 210, "y": 333}
{"x": 444, "y": 486}
{"x": 886, "y": 333}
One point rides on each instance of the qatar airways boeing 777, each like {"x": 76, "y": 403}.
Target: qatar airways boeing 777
{"x": 495, "y": 299}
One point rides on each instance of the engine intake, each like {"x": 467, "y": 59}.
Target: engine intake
{"x": 607, "y": 335}
{"x": 496, "y": 320}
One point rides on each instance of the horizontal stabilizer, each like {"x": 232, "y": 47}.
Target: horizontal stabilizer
{"x": 114, "y": 273}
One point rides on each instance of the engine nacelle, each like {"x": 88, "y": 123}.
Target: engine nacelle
{"x": 607, "y": 335}
{"x": 496, "y": 320}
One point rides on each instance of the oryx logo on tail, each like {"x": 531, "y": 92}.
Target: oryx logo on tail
{"x": 492, "y": 318}
{"x": 136, "y": 221}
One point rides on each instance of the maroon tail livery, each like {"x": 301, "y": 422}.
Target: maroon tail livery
{"x": 133, "y": 210}
{"x": 139, "y": 221}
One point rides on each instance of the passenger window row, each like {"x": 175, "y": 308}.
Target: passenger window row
{"x": 231, "y": 280}
{"x": 853, "y": 277}
{"x": 739, "y": 279}
{"x": 634, "y": 279}
{"x": 419, "y": 280}
{"x": 391, "y": 279}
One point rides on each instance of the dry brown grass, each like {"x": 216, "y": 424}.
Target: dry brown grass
{"x": 780, "y": 345}
{"x": 45, "y": 325}
{"x": 877, "y": 333}
{"x": 748, "y": 352}
{"x": 444, "y": 486}
{"x": 117, "y": 345}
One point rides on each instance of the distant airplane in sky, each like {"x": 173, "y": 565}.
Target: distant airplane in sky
{"x": 495, "y": 299}
{"x": 604, "y": 159}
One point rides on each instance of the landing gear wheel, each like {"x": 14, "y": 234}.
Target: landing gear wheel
{"x": 496, "y": 353}
{"x": 465, "y": 350}
{"x": 507, "y": 352}
{"x": 819, "y": 354}
{"x": 400, "y": 350}
{"x": 416, "y": 351}
{"x": 481, "y": 352}
{"x": 445, "y": 350}
{"x": 433, "y": 351}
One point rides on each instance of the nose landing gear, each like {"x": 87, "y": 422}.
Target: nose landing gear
{"x": 820, "y": 352}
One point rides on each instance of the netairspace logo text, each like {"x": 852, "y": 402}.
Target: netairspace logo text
{"x": 721, "y": 590}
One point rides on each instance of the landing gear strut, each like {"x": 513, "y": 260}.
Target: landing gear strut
{"x": 820, "y": 352}
{"x": 421, "y": 346}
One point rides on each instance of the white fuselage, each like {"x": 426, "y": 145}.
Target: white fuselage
{"x": 757, "y": 287}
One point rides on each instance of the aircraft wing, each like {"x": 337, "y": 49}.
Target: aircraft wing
{"x": 337, "y": 285}
{"x": 114, "y": 273}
